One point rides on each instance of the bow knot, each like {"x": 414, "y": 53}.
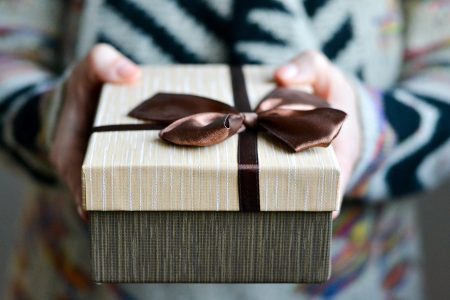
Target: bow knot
{"x": 298, "y": 119}
{"x": 250, "y": 119}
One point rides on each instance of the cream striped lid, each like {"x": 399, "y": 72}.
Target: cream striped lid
{"x": 136, "y": 171}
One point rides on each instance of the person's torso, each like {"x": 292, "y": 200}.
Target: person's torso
{"x": 362, "y": 37}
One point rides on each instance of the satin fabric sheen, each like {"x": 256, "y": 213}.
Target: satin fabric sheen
{"x": 298, "y": 119}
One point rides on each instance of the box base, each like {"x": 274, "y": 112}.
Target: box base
{"x": 210, "y": 247}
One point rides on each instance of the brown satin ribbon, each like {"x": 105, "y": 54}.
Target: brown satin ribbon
{"x": 248, "y": 168}
{"x": 298, "y": 119}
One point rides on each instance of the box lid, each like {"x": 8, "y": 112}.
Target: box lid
{"x": 136, "y": 171}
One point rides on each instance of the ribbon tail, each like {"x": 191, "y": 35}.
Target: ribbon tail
{"x": 302, "y": 130}
{"x": 204, "y": 129}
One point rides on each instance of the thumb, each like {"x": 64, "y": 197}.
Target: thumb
{"x": 105, "y": 64}
{"x": 311, "y": 69}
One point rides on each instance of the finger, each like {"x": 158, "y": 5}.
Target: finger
{"x": 311, "y": 68}
{"x": 79, "y": 203}
{"x": 82, "y": 213}
{"x": 105, "y": 64}
{"x": 74, "y": 186}
{"x": 335, "y": 214}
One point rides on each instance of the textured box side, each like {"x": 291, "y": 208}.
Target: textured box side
{"x": 207, "y": 247}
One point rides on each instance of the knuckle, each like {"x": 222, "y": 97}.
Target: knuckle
{"x": 98, "y": 48}
{"x": 96, "y": 52}
{"x": 317, "y": 58}
{"x": 87, "y": 72}
{"x": 311, "y": 53}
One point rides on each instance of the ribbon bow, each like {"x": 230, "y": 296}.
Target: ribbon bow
{"x": 299, "y": 119}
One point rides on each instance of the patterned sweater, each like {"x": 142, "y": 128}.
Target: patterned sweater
{"x": 400, "y": 62}
{"x": 397, "y": 55}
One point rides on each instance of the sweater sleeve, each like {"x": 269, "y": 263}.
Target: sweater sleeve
{"x": 30, "y": 84}
{"x": 406, "y": 129}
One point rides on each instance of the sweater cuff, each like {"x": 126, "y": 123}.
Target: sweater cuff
{"x": 51, "y": 110}
{"x": 22, "y": 88}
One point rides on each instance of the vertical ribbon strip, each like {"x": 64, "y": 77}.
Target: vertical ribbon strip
{"x": 248, "y": 169}
{"x": 298, "y": 119}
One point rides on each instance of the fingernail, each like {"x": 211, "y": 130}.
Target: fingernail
{"x": 127, "y": 69}
{"x": 335, "y": 214}
{"x": 288, "y": 71}
{"x": 82, "y": 213}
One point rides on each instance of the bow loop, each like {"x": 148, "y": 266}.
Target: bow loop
{"x": 299, "y": 119}
{"x": 166, "y": 108}
{"x": 203, "y": 129}
{"x": 250, "y": 119}
{"x": 301, "y": 130}
{"x": 285, "y": 98}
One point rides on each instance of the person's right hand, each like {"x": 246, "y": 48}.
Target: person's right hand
{"x": 314, "y": 69}
{"x": 103, "y": 64}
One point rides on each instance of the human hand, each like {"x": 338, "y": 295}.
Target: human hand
{"x": 313, "y": 69}
{"x": 103, "y": 64}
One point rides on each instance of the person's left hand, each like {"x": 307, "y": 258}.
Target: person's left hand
{"x": 313, "y": 69}
{"x": 103, "y": 64}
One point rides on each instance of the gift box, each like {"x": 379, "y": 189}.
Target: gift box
{"x": 249, "y": 207}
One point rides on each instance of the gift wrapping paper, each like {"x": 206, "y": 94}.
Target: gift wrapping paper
{"x": 136, "y": 171}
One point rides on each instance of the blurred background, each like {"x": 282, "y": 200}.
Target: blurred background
{"x": 432, "y": 210}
